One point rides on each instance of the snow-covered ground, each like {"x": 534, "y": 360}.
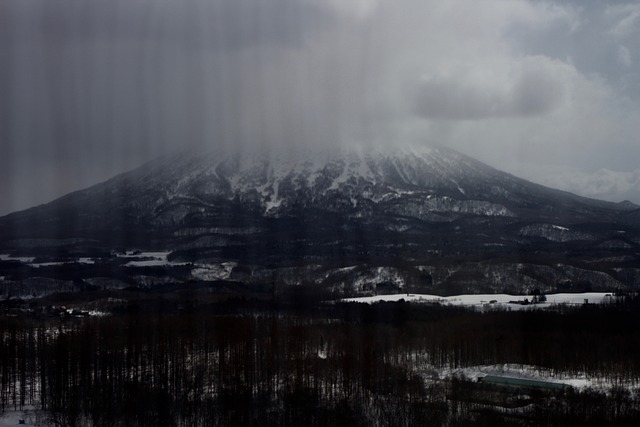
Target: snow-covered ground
{"x": 493, "y": 300}
{"x": 82, "y": 260}
{"x": 12, "y": 418}
{"x": 578, "y": 381}
{"x": 138, "y": 259}
{"x": 30, "y": 261}
{"x": 221, "y": 271}
{"x": 147, "y": 259}
{"x": 7, "y": 257}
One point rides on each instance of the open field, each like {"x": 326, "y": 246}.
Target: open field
{"x": 511, "y": 302}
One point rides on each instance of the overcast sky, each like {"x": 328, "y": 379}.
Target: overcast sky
{"x": 549, "y": 91}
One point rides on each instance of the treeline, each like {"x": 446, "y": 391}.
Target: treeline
{"x": 350, "y": 364}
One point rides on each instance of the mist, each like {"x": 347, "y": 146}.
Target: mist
{"x": 548, "y": 91}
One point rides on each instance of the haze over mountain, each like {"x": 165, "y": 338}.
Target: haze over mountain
{"x": 353, "y": 218}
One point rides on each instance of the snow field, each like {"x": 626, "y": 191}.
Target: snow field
{"x": 493, "y": 300}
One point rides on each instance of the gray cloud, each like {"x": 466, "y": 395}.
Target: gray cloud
{"x": 601, "y": 184}
{"x": 593, "y": 36}
{"x": 624, "y": 56}
{"x": 528, "y": 88}
{"x": 625, "y": 19}
{"x": 189, "y": 24}
{"x": 92, "y": 88}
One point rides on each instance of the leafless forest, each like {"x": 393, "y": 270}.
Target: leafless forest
{"x": 316, "y": 364}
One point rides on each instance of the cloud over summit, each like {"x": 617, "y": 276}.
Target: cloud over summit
{"x": 89, "y": 89}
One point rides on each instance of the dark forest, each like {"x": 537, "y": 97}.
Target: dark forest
{"x": 240, "y": 363}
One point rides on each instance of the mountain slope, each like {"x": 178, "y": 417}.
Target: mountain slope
{"x": 423, "y": 215}
{"x": 428, "y": 180}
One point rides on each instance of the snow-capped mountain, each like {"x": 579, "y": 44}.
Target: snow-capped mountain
{"x": 294, "y": 217}
{"x": 423, "y": 183}
{"x": 353, "y": 182}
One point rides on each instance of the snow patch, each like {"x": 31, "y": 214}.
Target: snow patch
{"x": 148, "y": 259}
{"x": 25, "y": 259}
{"x": 220, "y": 271}
{"x": 554, "y": 233}
{"x": 492, "y": 300}
{"x": 527, "y": 372}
